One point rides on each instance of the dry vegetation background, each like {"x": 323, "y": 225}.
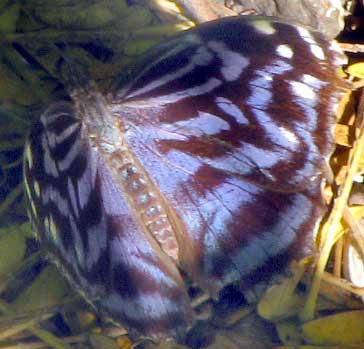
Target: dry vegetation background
{"x": 319, "y": 305}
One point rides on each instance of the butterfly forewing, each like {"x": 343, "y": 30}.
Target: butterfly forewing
{"x": 206, "y": 157}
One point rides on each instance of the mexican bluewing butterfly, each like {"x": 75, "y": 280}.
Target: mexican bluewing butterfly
{"x": 204, "y": 159}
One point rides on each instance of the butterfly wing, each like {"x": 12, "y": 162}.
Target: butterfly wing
{"x": 271, "y": 83}
{"x": 231, "y": 126}
{"x": 84, "y": 221}
{"x": 234, "y": 123}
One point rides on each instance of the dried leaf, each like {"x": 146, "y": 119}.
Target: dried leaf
{"x": 345, "y": 328}
{"x": 11, "y": 239}
{"x": 356, "y": 69}
{"x": 289, "y": 331}
{"x": 46, "y": 291}
{"x": 281, "y": 300}
{"x": 100, "y": 341}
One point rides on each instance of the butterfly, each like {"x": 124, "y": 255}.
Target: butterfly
{"x": 202, "y": 164}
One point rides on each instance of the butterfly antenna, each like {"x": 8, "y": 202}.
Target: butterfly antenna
{"x": 76, "y": 76}
{"x": 74, "y": 73}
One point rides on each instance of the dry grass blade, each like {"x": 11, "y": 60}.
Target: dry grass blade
{"x": 33, "y": 328}
{"x": 42, "y": 345}
{"x": 343, "y": 284}
{"x": 7, "y": 332}
{"x": 356, "y": 229}
{"x": 331, "y": 231}
{"x": 5, "y": 205}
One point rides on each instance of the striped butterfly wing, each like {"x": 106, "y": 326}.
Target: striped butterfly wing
{"x": 84, "y": 221}
{"x": 234, "y": 122}
{"x": 205, "y": 157}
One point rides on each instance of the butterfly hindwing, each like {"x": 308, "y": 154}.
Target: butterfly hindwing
{"x": 83, "y": 218}
{"x": 234, "y": 122}
{"x": 214, "y": 94}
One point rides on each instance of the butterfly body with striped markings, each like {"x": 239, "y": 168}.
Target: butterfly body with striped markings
{"x": 204, "y": 159}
